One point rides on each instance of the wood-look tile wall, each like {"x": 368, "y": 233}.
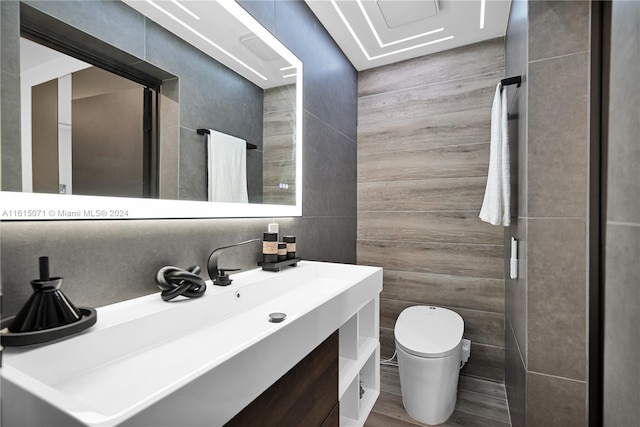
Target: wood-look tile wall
{"x": 423, "y": 155}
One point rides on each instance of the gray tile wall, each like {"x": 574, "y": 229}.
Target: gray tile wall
{"x": 104, "y": 262}
{"x": 622, "y": 270}
{"x": 423, "y": 153}
{"x": 10, "y": 96}
{"x": 546, "y": 307}
{"x": 516, "y": 53}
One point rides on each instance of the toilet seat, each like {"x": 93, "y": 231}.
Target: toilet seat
{"x": 429, "y": 332}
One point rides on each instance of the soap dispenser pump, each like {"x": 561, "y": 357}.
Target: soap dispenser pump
{"x": 47, "y": 307}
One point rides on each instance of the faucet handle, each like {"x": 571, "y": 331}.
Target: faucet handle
{"x": 222, "y": 279}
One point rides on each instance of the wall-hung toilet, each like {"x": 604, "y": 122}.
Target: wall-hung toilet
{"x": 430, "y": 351}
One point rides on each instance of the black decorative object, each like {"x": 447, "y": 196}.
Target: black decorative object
{"x": 47, "y": 315}
{"x": 10, "y": 339}
{"x": 269, "y": 247}
{"x": 47, "y": 307}
{"x": 176, "y": 281}
{"x": 282, "y": 251}
{"x": 276, "y": 266}
{"x": 291, "y": 246}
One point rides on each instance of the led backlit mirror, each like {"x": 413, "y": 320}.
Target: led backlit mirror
{"x": 259, "y": 103}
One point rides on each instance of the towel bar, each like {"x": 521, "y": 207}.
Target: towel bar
{"x": 512, "y": 81}
{"x": 206, "y": 132}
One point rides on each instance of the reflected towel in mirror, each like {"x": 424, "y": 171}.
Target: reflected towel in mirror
{"x": 227, "y": 168}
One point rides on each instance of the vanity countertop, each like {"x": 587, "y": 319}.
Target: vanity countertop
{"x": 149, "y": 362}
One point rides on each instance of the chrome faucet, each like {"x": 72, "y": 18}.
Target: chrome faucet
{"x": 219, "y": 275}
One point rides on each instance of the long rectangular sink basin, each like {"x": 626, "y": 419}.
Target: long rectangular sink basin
{"x": 190, "y": 362}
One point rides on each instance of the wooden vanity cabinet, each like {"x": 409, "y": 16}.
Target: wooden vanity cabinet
{"x": 307, "y": 395}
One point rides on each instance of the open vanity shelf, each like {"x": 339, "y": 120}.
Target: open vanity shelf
{"x": 359, "y": 365}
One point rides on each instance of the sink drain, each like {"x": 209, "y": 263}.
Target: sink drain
{"x": 277, "y": 317}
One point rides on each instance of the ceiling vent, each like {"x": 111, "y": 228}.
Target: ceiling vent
{"x": 397, "y": 13}
{"x": 258, "y": 47}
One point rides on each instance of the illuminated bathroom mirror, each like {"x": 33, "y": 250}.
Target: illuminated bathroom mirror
{"x": 223, "y": 31}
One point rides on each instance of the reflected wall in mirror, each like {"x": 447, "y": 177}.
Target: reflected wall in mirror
{"x": 251, "y": 90}
{"x": 85, "y": 130}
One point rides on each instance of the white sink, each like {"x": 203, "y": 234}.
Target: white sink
{"x": 190, "y": 362}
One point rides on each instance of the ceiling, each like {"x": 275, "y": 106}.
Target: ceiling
{"x": 379, "y": 32}
{"x": 371, "y": 33}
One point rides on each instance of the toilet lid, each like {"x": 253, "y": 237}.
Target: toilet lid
{"x": 427, "y": 331}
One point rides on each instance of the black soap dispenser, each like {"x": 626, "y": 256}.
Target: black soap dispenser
{"x": 47, "y": 307}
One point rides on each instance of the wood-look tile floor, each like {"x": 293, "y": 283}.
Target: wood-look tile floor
{"x": 480, "y": 403}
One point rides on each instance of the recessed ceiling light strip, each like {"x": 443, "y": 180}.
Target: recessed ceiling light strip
{"x": 406, "y": 49}
{"x": 377, "y": 36}
{"x": 483, "y": 6}
{"x": 364, "y": 51}
{"x": 203, "y": 37}
{"x": 290, "y": 75}
{"x": 353, "y": 34}
{"x": 193, "y": 15}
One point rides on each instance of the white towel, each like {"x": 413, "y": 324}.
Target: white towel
{"x": 496, "y": 206}
{"x": 227, "y": 168}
